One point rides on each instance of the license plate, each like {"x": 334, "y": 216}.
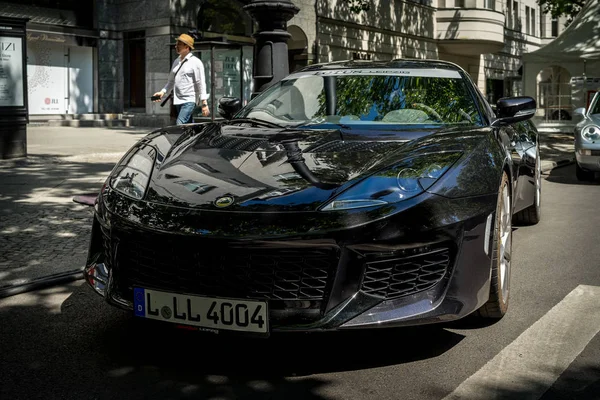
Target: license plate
{"x": 205, "y": 312}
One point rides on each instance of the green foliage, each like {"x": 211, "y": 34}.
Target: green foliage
{"x": 358, "y": 6}
{"x": 559, "y": 8}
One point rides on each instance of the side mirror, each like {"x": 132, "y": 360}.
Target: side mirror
{"x": 580, "y": 112}
{"x": 229, "y": 106}
{"x": 510, "y": 110}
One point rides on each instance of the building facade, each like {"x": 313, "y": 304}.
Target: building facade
{"x": 110, "y": 56}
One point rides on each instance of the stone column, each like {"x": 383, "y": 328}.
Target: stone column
{"x": 270, "y": 51}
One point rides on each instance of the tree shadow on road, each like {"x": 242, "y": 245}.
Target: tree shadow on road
{"x": 581, "y": 382}
{"x": 566, "y": 175}
{"x": 42, "y": 231}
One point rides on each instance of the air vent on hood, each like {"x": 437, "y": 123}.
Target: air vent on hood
{"x": 339, "y": 146}
{"x": 236, "y": 143}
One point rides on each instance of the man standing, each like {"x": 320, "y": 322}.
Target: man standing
{"x": 187, "y": 81}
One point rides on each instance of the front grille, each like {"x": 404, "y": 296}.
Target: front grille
{"x": 596, "y": 152}
{"x": 268, "y": 273}
{"x": 401, "y": 276}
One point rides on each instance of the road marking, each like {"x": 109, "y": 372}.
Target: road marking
{"x": 533, "y": 362}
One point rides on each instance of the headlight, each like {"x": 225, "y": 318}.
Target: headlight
{"x": 407, "y": 179}
{"x": 132, "y": 175}
{"x": 590, "y": 133}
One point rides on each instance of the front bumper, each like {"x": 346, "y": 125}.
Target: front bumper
{"x": 352, "y": 295}
{"x": 587, "y": 154}
{"x": 589, "y": 162}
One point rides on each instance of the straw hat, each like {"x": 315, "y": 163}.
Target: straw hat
{"x": 187, "y": 40}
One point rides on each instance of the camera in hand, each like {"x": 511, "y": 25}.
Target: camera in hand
{"x": 154, "y": 98}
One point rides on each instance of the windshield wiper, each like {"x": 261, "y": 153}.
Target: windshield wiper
{"x": 257, "y": 121}
{"x": 318, "y": 125}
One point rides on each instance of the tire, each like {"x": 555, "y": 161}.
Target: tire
{"x": 532, "y": 214}
{"x": 497, "y": 304}
{"x": 582, "y": 174}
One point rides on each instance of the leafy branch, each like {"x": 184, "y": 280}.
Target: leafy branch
{"x": 358, "y": 6}
{"x": 558, "y": 8}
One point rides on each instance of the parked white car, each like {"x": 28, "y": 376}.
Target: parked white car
{"x": 587, "y": 140}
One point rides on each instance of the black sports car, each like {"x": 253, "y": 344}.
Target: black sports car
{"x": 347, "y": 195}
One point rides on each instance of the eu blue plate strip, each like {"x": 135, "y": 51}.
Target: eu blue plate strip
{"x": 139, "y": 303}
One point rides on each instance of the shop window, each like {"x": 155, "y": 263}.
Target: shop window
{"x": 225, "y": 17}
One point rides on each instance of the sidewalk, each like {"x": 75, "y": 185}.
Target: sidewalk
{"x": 43, "y": 232}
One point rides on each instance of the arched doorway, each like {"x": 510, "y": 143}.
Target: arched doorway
{"x": 554, "y": 93}
{"x": 297, "y": 48}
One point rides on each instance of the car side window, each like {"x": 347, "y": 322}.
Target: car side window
{"x": 596, "y": 107}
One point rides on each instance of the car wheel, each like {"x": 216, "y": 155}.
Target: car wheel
{"x": 582, "y": 174}
{"x": 532, "y": 214}
{"x": 497, "y": 304}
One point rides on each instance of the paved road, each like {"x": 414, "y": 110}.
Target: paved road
{"x": 65, "y": 343}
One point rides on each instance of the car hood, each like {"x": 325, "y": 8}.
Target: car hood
{"x": 594, "y": 119}
{"x": 590, "y": 119}
{"x": 242, "y": 168}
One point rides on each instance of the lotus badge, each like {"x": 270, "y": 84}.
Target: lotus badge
{"x": 223, "y": 202}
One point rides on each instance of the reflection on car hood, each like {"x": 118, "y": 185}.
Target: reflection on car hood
{"x": 231, "y": 167}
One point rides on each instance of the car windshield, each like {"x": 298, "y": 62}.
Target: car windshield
{"x": 367, "y": 97}
{"x": 595, "y": 106}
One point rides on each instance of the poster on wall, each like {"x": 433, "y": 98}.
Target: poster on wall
{"x": 11, "y": 72}
{"x": 47, "y": 74}
{"x": 227, "y": 73}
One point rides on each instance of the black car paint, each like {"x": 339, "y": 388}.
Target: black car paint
{"x": 453, "y": 211}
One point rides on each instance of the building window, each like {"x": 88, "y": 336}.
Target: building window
{"x": 527, "y": 21}
{"x": 533, "y": 22}
{"x": 542, "y": 25}
{"x": 490, "y": 4}
{"x": 516, "y": 22}
{"x": 459, "y": 3}
{"x": 361, "y": 56}
{"x": 554, "y": 27}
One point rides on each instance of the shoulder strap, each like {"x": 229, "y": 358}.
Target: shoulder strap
{"x": 171, "y": 94}
{"x": 181, "y": 65}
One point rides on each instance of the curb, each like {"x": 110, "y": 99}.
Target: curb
{"x": 41, "y": 283}
{"x": 548, "y": 166}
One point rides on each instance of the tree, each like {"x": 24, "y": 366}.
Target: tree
{"x": 558, "y": 8}
{"x": 358, "y": 6}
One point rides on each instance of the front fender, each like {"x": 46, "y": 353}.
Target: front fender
{"x": 477, "y": 173}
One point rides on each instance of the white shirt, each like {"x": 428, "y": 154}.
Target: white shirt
{"x": 190, "y": 85}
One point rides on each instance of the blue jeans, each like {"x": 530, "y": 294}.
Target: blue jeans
{"x": 184, "y": 113}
